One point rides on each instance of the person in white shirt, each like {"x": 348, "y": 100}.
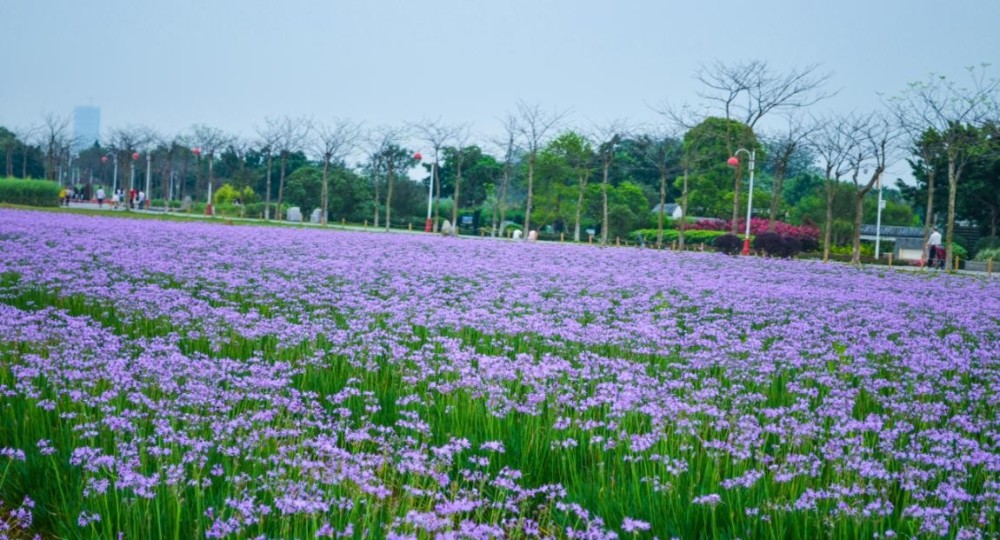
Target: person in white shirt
{"x": 933, "y": 248}
{"x": 100, "y": 197}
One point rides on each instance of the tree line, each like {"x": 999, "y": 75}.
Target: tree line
{"x": 540, "y": 172}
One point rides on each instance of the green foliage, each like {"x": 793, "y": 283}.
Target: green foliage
{"x": 707, "y": 146}
{"x": 227, "y": 194}
{"x": 29, "y": 192}
{"x": 958, "y": 250}
{"x": 691, "y": 237}
{"x": 303, "y": 188}
{"x": 989, "y": 253}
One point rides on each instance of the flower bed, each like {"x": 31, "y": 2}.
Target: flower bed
{"x": 169, "y": 379}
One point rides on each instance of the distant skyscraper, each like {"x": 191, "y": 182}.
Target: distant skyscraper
{"x": 86, "y": 127}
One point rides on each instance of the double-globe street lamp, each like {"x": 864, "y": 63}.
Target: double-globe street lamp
{"x": 735, "y": 162}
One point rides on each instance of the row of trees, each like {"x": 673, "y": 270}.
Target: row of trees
{"x": 542, "y": 173}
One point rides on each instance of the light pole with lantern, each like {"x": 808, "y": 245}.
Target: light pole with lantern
{"x": 114, "y": 157}
{"x": 735, "y": 162}
{"x": 131, "y": 181}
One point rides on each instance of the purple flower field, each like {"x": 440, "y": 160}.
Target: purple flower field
{"x": 179, "y": 380}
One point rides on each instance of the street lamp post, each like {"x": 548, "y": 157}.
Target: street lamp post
{"x": 104, "y": 159}
{"x": 131, "y": 181}
{"x": 878, "y": 220}
{"x": 735, "y": 162}
{"x": 149, "y": 178}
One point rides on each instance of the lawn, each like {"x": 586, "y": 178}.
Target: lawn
{"x": 164, "y": 379}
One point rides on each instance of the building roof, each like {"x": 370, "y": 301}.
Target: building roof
{"x": 892, "y": 231}
{"x": 668, "y": 208}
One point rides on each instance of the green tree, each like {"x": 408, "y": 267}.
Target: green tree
{"x": 708, "y": 146}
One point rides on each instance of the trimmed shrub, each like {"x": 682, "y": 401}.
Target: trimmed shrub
{"x": 989, "y": 253}
{"x": 29, "y": 192}
{"x": 773, "y": 244}
{"x": 728, "y": 243}
{"x": 691, "y": 236}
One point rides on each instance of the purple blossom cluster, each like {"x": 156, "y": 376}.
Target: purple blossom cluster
{"x": 325, "y": 377}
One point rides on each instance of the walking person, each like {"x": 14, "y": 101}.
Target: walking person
{"x": 100, "y": 197}
{"x": 934, "y": 248}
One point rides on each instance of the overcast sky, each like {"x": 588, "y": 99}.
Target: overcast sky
{"x": 231, "y": 63}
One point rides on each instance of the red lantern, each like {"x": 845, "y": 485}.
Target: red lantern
{"x": 196, "y": 150}
{"x": 135, "y": 155}
{"x": 104, "y": 159}
{"x": 417, "y": 156}
{"x": 733, "y": 162}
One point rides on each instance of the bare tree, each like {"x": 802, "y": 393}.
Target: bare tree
{"x": 208, "y": 141}
{"x": 661, "y": 150}
{"x": 608, "y": 137}
{"x": 534, "y": 126}
{"x": 461, "y": 139}
{"x": 437, "y": 135}
{"x": 833, "y": 145}
{"x": 781, "y": 149}
{"x": 268, "y": 136}
{"x": 947, "y": 108}
{"x": 124, "y": 142}
{"x": 506, "y": 145}
{"x": 25, "y": 135}
{"x": 388, "y": 155}
{"x": 333, "y": 142}
{"x": 57, "y": 141}
{"x": 747, "y": 91}
{"x": 292, "y": 134}
{"x": 874, "y": 136}
{"x": 681, "y": 120}
{"x": 9, "y": 141}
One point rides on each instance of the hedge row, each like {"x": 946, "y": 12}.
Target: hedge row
{"x": 29, "y": 192}
{"x": 671, "y": 235}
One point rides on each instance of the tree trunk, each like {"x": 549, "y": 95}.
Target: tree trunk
{"x": 779, "y": 179}
{"x": 582, "y": 183}
{"x": 929, "y": 214}
{"x": 953, "y": 173}
{"x": 684, "y": 211}
{"x": 604, "y": 201}
{"x": 531, "y": 185}
{"x": 736, "y": 201}
{"x": 831, "y": 192}
{"x": 24, "y": 160}
{"x": 455, "y": 196}
{"x": 375, "y": 178}
{"x": 502, "y": 200}
{"x": 326, "y": 194}
{"x": 659, "y": 215}
{"x": 859, "y": 208}
{"x": 9, "y": 154}
{"x": 436, "y": 178}
{"x": 267, "y": 188}
{"x": 388, "y": 196}
{"x": 281, "y": 185}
